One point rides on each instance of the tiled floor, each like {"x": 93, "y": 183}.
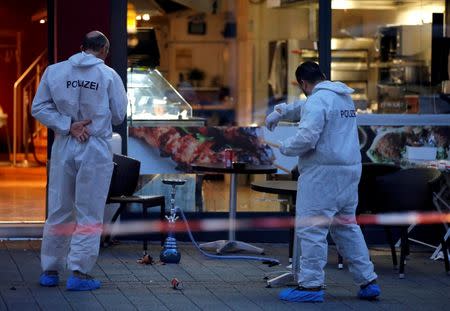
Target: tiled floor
{"x": 22, "y": 193}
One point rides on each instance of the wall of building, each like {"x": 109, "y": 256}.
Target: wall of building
{"x": 73, "y": 19}
{"x": 206, "y": 52}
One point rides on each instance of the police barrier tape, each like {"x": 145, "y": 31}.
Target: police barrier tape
{"x": 208, "y": 225}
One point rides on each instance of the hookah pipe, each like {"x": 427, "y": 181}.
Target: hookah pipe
{"x": 170, "y": 253}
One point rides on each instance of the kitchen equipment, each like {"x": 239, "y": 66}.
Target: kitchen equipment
{"x": 412, "y": 103}
{"x": 403, "y": 40}
{"x": 445, "y": 87}
{"x": 391, "y": 98}
{"x": 407, "y": 71}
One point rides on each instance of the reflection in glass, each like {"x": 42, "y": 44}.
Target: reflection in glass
{"x": 152, "y": 97}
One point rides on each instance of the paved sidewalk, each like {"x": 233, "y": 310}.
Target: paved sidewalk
{"x": 210, "y": 284}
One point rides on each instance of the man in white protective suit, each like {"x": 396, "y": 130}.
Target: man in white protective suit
{"x": 78, "y": 99}
{"x": 329, "y": 162}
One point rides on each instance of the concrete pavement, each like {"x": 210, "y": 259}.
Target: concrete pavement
{"x": 211, "y": 284}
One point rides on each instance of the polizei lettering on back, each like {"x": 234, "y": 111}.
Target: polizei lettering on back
{"x": 348, "y": 114}
{"x": 82, "y": 83}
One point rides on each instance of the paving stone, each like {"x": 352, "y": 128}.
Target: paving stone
{"x": 203, "y": 298}
{"x": 113, "y": 299}
{"x": 18, "y": 298}
{"x": 141, "y": 297}
{"x": 173, "y": 299}
{"x": 49, "y": 298}
{"x": 82, "y": 300}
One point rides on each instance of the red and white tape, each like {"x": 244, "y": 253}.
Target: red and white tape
{"x": 209, "y": 225}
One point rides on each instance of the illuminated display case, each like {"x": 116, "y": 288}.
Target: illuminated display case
{"x": 153, "y": 100}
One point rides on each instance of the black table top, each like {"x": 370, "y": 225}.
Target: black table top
{"x": 221, "y": 168}
{"x": 288, "y": 187}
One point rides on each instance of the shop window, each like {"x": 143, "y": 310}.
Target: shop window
{"x": 402, "y": 60}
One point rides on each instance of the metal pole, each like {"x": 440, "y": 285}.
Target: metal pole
{"x": 233, "y": 201}
{"x": 325, "y": 37}
{"x": 15, "y": 127}
{"x": 118, "y": 52}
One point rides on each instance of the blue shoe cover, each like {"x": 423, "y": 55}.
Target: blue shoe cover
{"x": 296, "y": 295}
{"x": 82, "y": 284}
{"x": 49, "y": 280}
{"x": 370, "y": 292}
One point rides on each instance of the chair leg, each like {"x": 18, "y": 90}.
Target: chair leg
{"x": 403, "y": 251}
{"x": 407, "y": 250}
{"x": 107, "y": 238}
{"x": 162, "y": 217}
{"x": 340, "y": 262}
{"x": 390, "y": 239}
{"x": 144, "y": 215}
{"x": 292, "y": 232}
{"x": 445, "y": 252}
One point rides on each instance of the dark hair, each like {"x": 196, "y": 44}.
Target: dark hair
{"x": 94, "y": 42}
{"x": 309, "y": 71}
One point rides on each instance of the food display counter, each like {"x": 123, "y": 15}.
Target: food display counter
{"x": 153, "y": 101}
{"x": 383, "y": 137}
{"x": 167, "y": 140}
{"x": 153, "y": 106}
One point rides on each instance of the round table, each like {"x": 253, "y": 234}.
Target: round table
{"x": 288, "y": 187}
{"x": 231, "y": 244}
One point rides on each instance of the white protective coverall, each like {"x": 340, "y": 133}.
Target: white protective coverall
{"x": 81, "y": 88}
{"x": 327, "y": 145}
{"x": 291, "y": 112}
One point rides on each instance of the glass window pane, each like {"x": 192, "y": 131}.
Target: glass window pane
{"x": 393, "y": 53}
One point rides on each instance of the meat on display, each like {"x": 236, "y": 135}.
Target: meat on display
{"x": 202, "y": 145}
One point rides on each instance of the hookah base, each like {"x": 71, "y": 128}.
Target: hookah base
{"x": 170, "y": 256}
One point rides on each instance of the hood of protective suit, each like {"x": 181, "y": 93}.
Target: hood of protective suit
{"x": 337, "y": 87}
{"x": 83, "y": 59}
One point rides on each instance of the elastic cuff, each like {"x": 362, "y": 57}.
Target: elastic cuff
{"x": 65, "y": 128}
{"x": 310, "y": 289}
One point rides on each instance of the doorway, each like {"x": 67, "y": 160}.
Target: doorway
{"x": 23, "y": 141}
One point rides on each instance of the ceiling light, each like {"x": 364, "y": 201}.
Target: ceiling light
{"x": 138, "y": 17}
{"x": 42, "y": 21}
{"x": 340, "y": 4}
{"x": 146, "y": 17}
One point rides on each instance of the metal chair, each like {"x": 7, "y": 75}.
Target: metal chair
{"x": 409, "y": 190}
{"x": 123, "y": 185}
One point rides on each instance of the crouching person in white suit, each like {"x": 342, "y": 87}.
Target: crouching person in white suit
{"x": 78, "y": 99}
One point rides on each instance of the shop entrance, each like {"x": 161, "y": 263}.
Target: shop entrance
{"x": 23, "y": 141}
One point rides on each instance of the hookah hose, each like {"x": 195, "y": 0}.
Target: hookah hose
{"x": 265, "y": 260}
